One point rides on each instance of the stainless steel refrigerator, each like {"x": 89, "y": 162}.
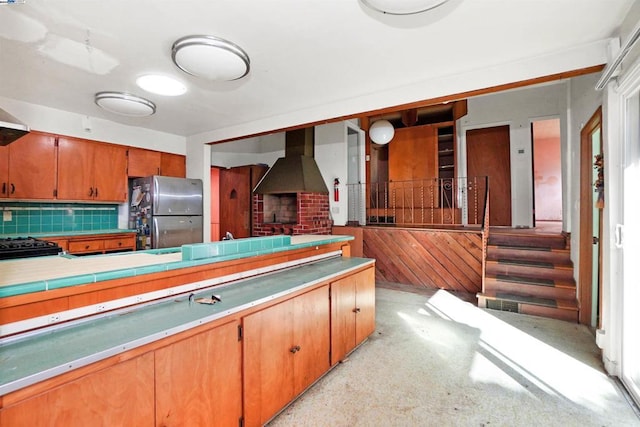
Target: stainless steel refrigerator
{"x": 166, "y": 211}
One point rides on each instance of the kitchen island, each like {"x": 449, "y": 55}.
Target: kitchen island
{"x": 215, "y": 349}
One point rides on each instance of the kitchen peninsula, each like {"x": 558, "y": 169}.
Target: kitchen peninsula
{"x": 234, "y": 330}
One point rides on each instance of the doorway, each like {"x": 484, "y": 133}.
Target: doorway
{"x": 591, "y": 204}
{"x": 547, "y": 172}
{"x": 488, "y": 154}
{"x": 628, "y": 238}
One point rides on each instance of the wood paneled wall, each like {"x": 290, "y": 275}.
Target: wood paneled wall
{"x": 442, "y": 259}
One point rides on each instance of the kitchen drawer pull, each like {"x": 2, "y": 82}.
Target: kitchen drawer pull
{"x": 13, "y": 188}
{"x": 356, "y": 310}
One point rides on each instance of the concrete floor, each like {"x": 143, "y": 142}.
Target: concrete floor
{"x": 437, "y": 360}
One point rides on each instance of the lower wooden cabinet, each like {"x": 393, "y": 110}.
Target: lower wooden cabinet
{"x": 353, "y": 312}
{"x": 199, "y": 380}
{"x": 96, "y": 243}
{"x": 121, "y": 395}
{"x": 286, "y": 348}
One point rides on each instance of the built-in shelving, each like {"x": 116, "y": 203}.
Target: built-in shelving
{"x": 446, "y": 161}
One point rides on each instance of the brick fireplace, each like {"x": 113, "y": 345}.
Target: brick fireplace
{"x": 291, "y": 213}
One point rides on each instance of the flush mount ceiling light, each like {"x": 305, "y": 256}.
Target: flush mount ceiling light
{"x": 125, "y": 104}
{"x": 210, "y": 57}
{"x": 161, "y": 85}
{"x": 403, "y": 7}
{"x": 381, "y": 132}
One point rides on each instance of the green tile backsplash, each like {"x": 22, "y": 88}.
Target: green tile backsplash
{"x": 29, "y": 218}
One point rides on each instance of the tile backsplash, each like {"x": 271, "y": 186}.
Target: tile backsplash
{"x": 31, "y": 218}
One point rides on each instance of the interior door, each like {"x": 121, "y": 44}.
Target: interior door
{"x": 235, "y": 196}
{"x": 590, "y": 223}
{"x": 488, "y": 154}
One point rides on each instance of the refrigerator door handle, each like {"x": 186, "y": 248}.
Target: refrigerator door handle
{"x": 155, "y": 237}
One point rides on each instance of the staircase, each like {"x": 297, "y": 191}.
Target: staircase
{"x": 530, "y": 273}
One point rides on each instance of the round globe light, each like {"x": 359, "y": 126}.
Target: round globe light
{"x": 381, "y": 132}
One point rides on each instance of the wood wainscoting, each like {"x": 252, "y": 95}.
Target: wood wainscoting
{"x": 443, "y": 259}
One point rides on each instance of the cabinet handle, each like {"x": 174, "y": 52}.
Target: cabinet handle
{"x": 356, "y": 310}
{"x": 13, "y": 188}
{"x": 4, "y": 187}
{"x": 90, "y": 191}
{"x": 96, "y": 191}
{"x": 295, "y": 349}
{"x": 86, "y": 247}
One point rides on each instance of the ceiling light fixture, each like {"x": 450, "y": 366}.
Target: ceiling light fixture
{"x": 161, "y": 85}
{"x": 402, "y": 7}
{"x": 381, "y": 132}
{"x": 210, "y": 57}
{"x": 125, "y": 104}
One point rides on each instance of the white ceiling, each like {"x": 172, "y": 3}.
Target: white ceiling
{"x": 310, "y": 59}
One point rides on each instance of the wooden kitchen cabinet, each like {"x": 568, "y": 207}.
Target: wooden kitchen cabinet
{"x": 173, "y": 165}
{"x": 352, "y": 312}
{"x": 96, "y": 243}
{"x": 199, "y": 379}
{"x": 89, "y": 170}
{"x": 142, "y": 162}
{"x": 286, "y": 348}
{"x": 119, "y": 395}
{"x": 28, "y": 167}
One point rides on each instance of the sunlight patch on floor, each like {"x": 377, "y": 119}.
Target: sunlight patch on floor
{"x": 507, "y": 356}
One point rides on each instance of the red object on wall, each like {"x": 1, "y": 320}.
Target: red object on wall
{"x": 336, "y": 190}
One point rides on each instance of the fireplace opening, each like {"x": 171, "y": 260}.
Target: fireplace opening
{"x": 280, "y": 208}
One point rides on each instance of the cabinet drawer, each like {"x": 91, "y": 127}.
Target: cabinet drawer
{"x": 119, "y": 243}
{"x": 86, "y": 246}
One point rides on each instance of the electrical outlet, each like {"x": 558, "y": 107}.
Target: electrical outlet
{"x": 138, "y": 298}
{"x": 100, "y": 307}
{"x": 54, "y": 318}
{"x": 6, "y": 216}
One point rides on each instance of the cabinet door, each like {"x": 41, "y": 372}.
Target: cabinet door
{"x": 110, "y": 173}
{"x": 4, "y": 171}
{"x": 267, "y": 361}
{"x": 32, "y": 167}
{"x": 143, "y": 162}
{"x": 353, "y": 312}
{"x": 311, "y": 337}
{"x": 343, "y": 325}
{"x": 121, "y": 395}
{"x": 173, "y": 165}
{"x": 199, "y": 380}
{"x": 75, "y": 169}
{"x": 365, "y": 282}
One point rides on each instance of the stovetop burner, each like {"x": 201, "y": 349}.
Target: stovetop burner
{"x": 23, "y": 247}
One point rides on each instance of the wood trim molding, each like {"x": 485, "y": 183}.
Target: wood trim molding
{"x": 585, "y": 266}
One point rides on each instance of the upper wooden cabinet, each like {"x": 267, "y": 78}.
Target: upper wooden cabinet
{"x": 173, "y": 165}
{"x": 143, "y": 162}
{"x": 28, "y": 167}
{"x": 89, "y": 170}
{"x": 413, "y": 153}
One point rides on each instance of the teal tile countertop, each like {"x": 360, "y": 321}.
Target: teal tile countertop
{"x": 38, "y": 274}
{"x": 32, "y": 359}
{"x": 69, "y": 233}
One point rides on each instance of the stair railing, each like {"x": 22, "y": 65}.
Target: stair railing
{"x": 485, "y": 233}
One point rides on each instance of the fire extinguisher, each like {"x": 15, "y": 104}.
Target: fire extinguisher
{"x": 336, "y": 190}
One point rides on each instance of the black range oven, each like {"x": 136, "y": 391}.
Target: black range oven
{"x": 24, "y": 247}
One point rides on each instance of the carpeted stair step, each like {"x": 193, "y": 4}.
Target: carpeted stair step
{"x": 549, "y": 241}
{"x": 546, "y": 307}
{"x": 530, "y": 286}
{"x": 533, "y": 269}
{"x": 555, "y": 256}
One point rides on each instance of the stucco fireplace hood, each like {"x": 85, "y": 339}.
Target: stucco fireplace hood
{"x": 297, "y": 171}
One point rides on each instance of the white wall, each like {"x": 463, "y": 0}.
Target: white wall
{"x": 60, "y": 122}
{"x": 517, "y": 108}
{"x": 264, "y": 149}
{"x": 331, "y": 157}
